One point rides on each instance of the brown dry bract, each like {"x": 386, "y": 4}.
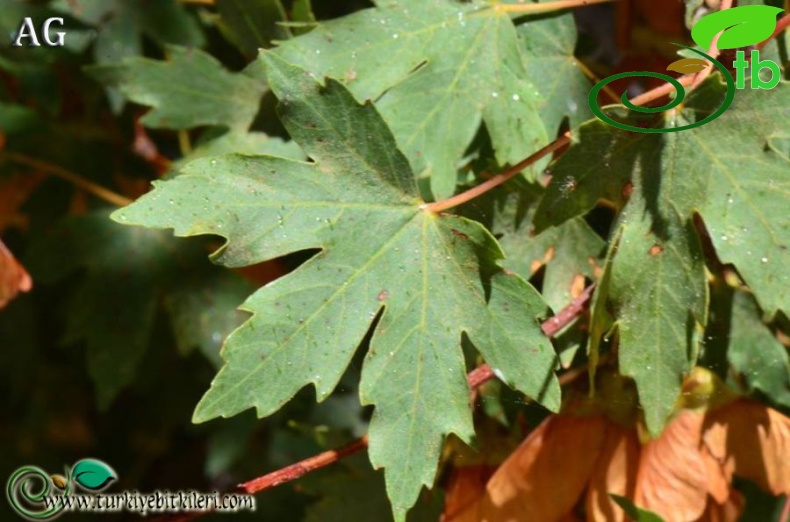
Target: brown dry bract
{"x": 753, "y": 442}
{"x": 14, "y": 191}
{"x": 13, "y": 277}
{"x": 614, "y": 472}
{"x": 465, "y": 489}
{"x": 673, "y": 476}
{"x": 683, "y": 475}
{"x": 545, "y": 476}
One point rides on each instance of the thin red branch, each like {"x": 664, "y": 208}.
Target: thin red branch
{"x": 566, "y": 316}
{"x": 74, "y": 178}
{"x": 785, "y": 516}
{"x": 475, "y": 379}
{"x": 688, "y": 80}
{"x": 546, "y": 7}
{"x": 713, "y": 51}
{"x": 445, "y": 204}
{"x": 479, "y": 376}
{"x": 294, "y": 471}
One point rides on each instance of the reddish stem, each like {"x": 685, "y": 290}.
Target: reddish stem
{"x": 73, "y": 178}
{"x": 475, "y": 379}
{"x": 472, "y": 193}
{"x": 294, "y": 471}
{"x": 564, "y": 317}
{"x": 546, "y": 7}
{"x": 479, "y": 376}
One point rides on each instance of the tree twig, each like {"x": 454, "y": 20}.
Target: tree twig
{"x": 594, "y": 78}
{"x": 475, "y": 379}
{"x": 73, "y": 178}
{"x": 567, "y": 315}
{"x": 546, "y": 7}
{"x": 459, "y": 199}
{"x": 687, "y": 80}
{"x": 301, "y": 468}
{"x": 713, "y": 51}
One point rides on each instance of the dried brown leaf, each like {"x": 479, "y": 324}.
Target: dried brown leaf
{"x": 719, "y": 477}
{"x": 544, "y": 478}
{"x": 729, "y": 511}
{"x": 754, "y": 441}
{"x": 465, "y": 490}
{"x": 14, "y": 191}
{"x": 614, "y": 472}
{"x": 13, "y": 277}
{"x": 673, "y": 477}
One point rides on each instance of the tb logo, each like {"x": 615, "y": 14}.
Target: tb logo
{"x": 743, "y": 26}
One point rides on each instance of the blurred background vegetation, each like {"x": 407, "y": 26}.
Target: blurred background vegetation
{"x": 108, "y": 354}
{"x": 119, "y": 338}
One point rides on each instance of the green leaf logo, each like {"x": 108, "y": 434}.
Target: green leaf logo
{"x": 745, "y": 25}
{"x": 93, "y": 474}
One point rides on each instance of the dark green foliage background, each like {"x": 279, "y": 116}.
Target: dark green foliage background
{"x": 119, "y": 341}
{"x": 101, "y": 287}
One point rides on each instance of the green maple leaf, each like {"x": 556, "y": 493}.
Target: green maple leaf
{"x": 213, "y": 96}
{"x": 189, "y": 90}
{"x": 252, "y": 24}
{"x": 655, "y": 283}
{"x": 427, "y": 278}
{"x": 548, "y": 45}
{"x": 756, "y": 353}
{"x": 733, "y": 172}
{"x": 737, "y": 181}
{"x": 567, "y": 251}
{"x": 121, "y": 24}
{"x": 659, "y": 294}
{"x": 436, "y": 70}
{"x": 738, "y": 337}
